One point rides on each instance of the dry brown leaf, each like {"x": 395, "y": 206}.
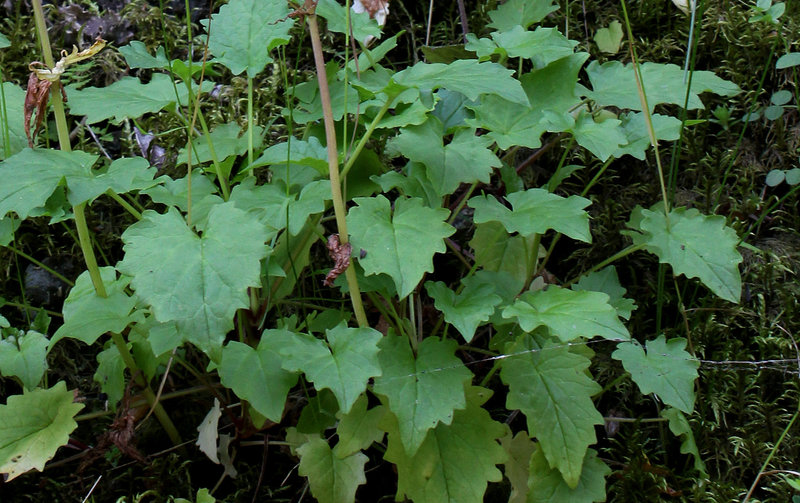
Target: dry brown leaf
{"x": 340, "y": 253}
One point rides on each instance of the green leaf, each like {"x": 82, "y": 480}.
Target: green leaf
{"x": 775, "y": 177}
{"x": 666, "y": 370}
{"x": 466, "y": 159}
{"x": 549, "y": 384}
{"x": 423, "y": 391}
{"x": 343, "y": 365}
{"x": 680, "y": 427}
{"x": 520, "y": 12}
{"x": 466, "y": 310}
{"x": 546, "y": 485}
{"x": 268, "y": 203}
{"x": 466, "y": 76}
{"x": 568, "y": 314}
{"x": 638, "y": 139}
{"x": 496, "y": 251}
{"x": 176, "y": 193}
{"x": 332, "y": 479}
{"x": 87, "y": 316}
{"x": 15, "y": 105}
{"x": 400, "y": 243}
{"x": 4, "y": 41}
{"x": 110, "y": 374}
{"x": 609, "y": 39}
{"x": 607, "y": 281}
{"x": 23, "y": 356}
{"x": 600, "y": 138}
{"x": 788, "y": 60}
{"x": 196, "y": 281}
{"x": 7, "y": 228}
{"x": 542, "y": 46}
{"x": 534, "y": 212}
{"x": 244, "y": 31}
{"x": 363, "y": 26}
{"x": 696, "y": 245}
{"x": 455, "y": 461}
{"x": 33, "y": 426}
{"x": 358, "y": 429}
{"x": 519, "y": 449}
{"x": 413, "y": 181}
{"x": 257, "y": 375}
{"x": 614, "y": 84}
{"x": 137, "y": 56}
{"x": 31, "y": 176}
{"x": 226, "y": 141}
{"x": 296, "y": 152}
{"x": 127, "y": 98}
{"x": 125, "y": 174}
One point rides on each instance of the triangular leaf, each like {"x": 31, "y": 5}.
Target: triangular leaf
{"x": 400, "y": 243}
{"x": 466, "y": 310}
{"x": 332, "y": 479}
{"x": 519, "y": 448}
{"x": 15, "y": 106}
{"x": 666, "y": 370}
{"x": 196, "y": 281}
{"x": 87, "y": 316}
{"x": 244, "y": 31}
{"x": 466, "y": 76}
{"x": 127, "y": 97}
{"x": 614, "y": 84}
{"x": 257, "y": 375}
{"x": 535, "y": 211}
{"x": 23, "y": 356}
{"x": 546, "y": 485}
{"x": 137, "y": 56}
{"x": 110, "y": 374}
{"x": 550, "y": 386}
{"x": 33, "y": 425}
{"x": 227, "y": 139}
{"x": 343, "y": 365}
{"x": 696, "y": 245}
{"x": 455, "y": 461}
{"x": 568, "y": 314}
{"x": 423, "y": 391}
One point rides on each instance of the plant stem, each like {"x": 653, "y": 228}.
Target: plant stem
{"x": 620, "y": 254}
{"x": 367, "y": 136}
{"x": 84, "y": 238}
{"x": 333, "y": 167}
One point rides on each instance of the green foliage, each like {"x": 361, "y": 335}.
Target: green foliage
{"x": 241, "y": 38}
{"x": 232, "y": 260}
{"x": 548, "y": 384}
{"x": 32, "y": 426}
{"x": 696, "y": 245}
{"x": 666, "y": 370}
{"x": 197, "y": 282}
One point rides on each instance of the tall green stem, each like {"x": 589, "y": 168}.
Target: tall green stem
{"x": 333, "y": 167}
{"x": 84, "y": 238}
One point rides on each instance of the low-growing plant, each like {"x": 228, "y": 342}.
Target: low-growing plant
{"x": 385, "y": 169}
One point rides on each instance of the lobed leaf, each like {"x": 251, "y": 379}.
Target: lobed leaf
{"x": 696, "y": 245}
{"x": 568, "y": 314}
{"x": 421, "y": 391}
{"x": 520, "y": 12}
{"x": 400, "y": 243}
{"x": 343, "y": 365}
{"x": 332, "y": 479}
{"x": 244, "y": 31}
{"x": 33, "y": 426}
{"x": 534, "y": 212}
{"x": 455, "y": 461}
{"x": 666, "y": 370}
{"x": 466, "y": 310}
{"x": 550, "y": 386}
{"x": 257, "y": 375}
{"x": 196, "y": 281}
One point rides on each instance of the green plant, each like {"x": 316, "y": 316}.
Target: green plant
{"x": 220, "y": 260}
